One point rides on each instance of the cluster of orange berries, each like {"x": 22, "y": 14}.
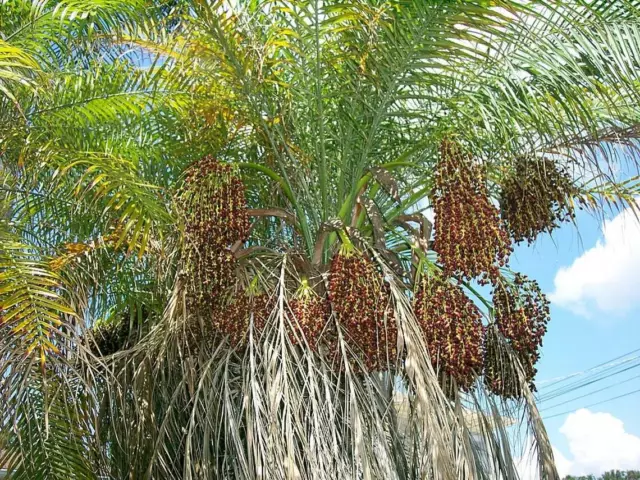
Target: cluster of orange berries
{"x": 213, "y": 206}
{"x": 535, "y": 198}
{"x": 470, "y": 237}
{"x": 522, "y": 314}
{"x": 360, "y": 299}
{"x": 235, "y": 319}
{"x": 310, "y": 316}
{"x": 452, "y": 327}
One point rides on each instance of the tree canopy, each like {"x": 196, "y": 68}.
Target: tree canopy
{"x": 256, "y": 239}
{"x": 610, "y": 475}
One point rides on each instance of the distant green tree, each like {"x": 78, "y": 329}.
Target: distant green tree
{"x": 610, "y": 475}
{"x": 621, "y": 475}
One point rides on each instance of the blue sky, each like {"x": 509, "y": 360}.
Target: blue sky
{"x": 594, "y": 319}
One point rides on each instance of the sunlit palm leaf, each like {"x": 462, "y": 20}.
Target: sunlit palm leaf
{"x": 29, "y": 301}
{"x": 16, "y": 69}
{"x": 333, "y": 113}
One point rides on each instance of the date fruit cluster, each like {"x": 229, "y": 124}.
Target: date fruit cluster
{"x": 360, "y": 299}
{"x": 213, "y": 206}
{"x": 311, "y": 313}
{"x": 470, "y": 237}
{"x": 453, "y": 330}
{"x": 535, "y": 198}
{"x": 234, "y": 319}
{"x": 522, "y": 314}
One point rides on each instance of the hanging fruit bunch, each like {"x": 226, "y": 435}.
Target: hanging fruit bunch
{"x": 118, "y": 333}
{"x": 310, "y": 315}
{"x": 470, "y": 238}
{"x": 109, "y": 338}
{"x": 453, "y": 330}
{"x": 536, "y": 198}
{"x": 360, "y": 301}
{"x": 234, "y": 319}
{"x": 522, "y": 314}
{"x": 213, "y": 206}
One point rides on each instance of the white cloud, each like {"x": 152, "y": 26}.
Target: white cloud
{"x": 597, "y": 443}
{"x": 604, "y": 277}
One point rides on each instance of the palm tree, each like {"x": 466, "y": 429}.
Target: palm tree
{"x": 73, "y": 127}
{"x": 216, "y": 261}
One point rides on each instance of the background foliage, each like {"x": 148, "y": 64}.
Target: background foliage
{"x": 332, "y": 115}
{"x": 612, "y": 475}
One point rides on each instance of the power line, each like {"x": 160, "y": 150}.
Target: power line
{"x": 586, "y": 382}
{"x": 602, "y": 374}
{"x": 591, "y": 393}
{"x": 594, "y": 404}
{"x": 555, "y": 381}
{"x": 599, "y": 369}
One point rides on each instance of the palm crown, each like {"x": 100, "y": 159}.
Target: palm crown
{"x": 216, "y": 261}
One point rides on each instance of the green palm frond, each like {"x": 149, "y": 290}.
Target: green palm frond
{"x": 16, "y": 69}
{"x": 105, "y": 95}
{"x": 114, "y": 183}
{"x": 417, "y": 80}
{"x": 49, "y": 29}
{"x": 43, "y": 407}
{"x": 47, "y": 428}
{"x": 30, "y": 302}
{"x": 77, "y": 150}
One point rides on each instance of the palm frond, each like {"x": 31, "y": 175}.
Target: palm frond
{"x": 31, "y": 307}
{"x": 16, "y": 69}
{"x": 333, "y": 117}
